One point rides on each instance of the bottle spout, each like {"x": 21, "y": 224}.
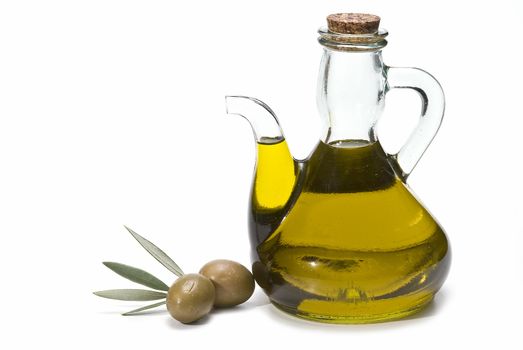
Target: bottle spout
{"x": 275, "y": 169}
{"x": 263, "y": 121}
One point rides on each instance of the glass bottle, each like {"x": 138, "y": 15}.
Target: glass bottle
{"x": 339, "y": 236}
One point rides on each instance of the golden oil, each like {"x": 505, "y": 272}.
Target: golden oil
{"x": 339, "y": 237}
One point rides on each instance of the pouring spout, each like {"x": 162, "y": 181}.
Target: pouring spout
{"x": 263, "y": 121}
{"x": 276, "y": 170}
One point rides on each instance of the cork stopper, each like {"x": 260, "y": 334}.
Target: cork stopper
{"x": 353, "y": 23}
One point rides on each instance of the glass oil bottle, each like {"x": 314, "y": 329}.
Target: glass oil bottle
{"x": 340, "y": 237}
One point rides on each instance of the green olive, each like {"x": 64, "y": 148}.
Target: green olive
{"x": 232, "y": 281}
{"x": 190, "y": 298}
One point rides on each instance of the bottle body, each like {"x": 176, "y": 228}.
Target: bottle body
{"x": 353, "y": 245}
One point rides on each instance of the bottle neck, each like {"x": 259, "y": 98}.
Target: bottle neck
{"x": 351, "y": 88}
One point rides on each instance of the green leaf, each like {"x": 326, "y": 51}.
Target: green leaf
{"x": 137, "y": 275}
{"x": 136, "y": 311}
{"x": 157, "y": 253}
{"x": 131, "y": 294}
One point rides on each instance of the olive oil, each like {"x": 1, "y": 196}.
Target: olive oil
{"x": 275, "y": 176}
{"x": 339, "y": 237}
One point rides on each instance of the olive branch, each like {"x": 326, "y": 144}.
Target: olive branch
{"x": 142, "y": 277}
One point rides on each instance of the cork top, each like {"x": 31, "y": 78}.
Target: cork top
{"x": 353, "y": 23}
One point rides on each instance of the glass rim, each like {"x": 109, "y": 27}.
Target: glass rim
{"x": 352, "y": 42}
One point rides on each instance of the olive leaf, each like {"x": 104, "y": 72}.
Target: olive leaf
{"x": 137, "y": 275}
{"x": 157, "y": 253}
{"x": 131, "y": 294}
{"x": 136, "y": 311}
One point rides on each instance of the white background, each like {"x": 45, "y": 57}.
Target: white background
{"x": 112, "y": 112}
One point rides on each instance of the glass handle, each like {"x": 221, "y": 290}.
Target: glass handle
{"x": 432, "y": 109}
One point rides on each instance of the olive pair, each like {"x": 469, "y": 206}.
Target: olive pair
{"x": 220, "y": 283}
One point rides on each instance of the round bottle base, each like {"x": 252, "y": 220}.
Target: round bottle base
{"x": 358, "y": 313}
